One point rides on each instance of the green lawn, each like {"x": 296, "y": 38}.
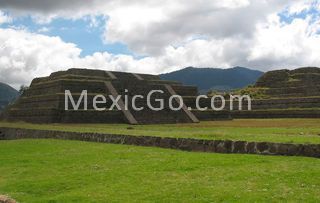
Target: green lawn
{"x": 272, "y": 130}
{"x": 74, "y": 171}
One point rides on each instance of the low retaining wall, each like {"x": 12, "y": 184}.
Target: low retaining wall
{"x": 218, "y": 146}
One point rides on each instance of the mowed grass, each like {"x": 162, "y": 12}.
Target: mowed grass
{"x": 269, "y": 130}
{"x": 75, "y": 171}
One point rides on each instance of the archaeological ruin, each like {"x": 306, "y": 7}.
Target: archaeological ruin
{"x": 286, "y": 94}
{"x": 44, "y": 101}
{"x": 277, "y": 94}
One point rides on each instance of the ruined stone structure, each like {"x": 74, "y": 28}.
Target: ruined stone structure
{"x": 289, "y": 93}
{"x": 301, "y": 82}
{"x": 286, "y": 94}
{"x": 44, "y": 101}
{"x": 281, "y": 94}
{"x": 187, "y": 144}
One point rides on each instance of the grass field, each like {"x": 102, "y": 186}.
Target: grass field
{"x": 74, "y": 171}
{"x": 272, "y": 130}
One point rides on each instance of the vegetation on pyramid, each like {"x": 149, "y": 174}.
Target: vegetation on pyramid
{"x": 286, "y": 93}
{"x": 44, "y": 100}
{"x": 276, "y": 94}
{"x": 301, "y": 82}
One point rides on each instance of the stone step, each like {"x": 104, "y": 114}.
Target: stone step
{"x": 127, "y": 113}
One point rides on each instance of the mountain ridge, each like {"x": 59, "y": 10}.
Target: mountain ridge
{"x": 207, "y": 79}
{"x": 7, "y": 94}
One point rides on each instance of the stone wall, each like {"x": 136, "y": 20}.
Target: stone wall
{"x": 185, "y": 90}
{"x": 217, "y": 146}
{"x": 259, "y": 104}
{"x": 43, "y": 102}
{"x": 263, "y": 108}
{"x": 301, "y": 82}
{"x": 211, "y": 115}
{"x": 277, "y": 113}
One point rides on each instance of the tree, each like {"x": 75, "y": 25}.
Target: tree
{"x": 22, "y": 89}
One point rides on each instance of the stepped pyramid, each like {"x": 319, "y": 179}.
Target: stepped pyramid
{"x": 276, "y": 94}
{"x": 44, "y": 101}
{"x": 286, "y": 94}
{"x": 301, "y": 82}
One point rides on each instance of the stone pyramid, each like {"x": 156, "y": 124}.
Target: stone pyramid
{"x": 44, "y": 100}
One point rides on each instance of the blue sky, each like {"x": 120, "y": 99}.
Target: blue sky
{"x": 155, "y": 37}
{"x": 77, "y": 31}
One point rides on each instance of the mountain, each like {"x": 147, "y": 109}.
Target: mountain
{"x": 7, "y": 94}
{"x": 214, "y": 78}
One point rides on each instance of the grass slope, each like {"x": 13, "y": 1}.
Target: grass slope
{"x": 271, "y": 130}
{"x": 74, "y": 171}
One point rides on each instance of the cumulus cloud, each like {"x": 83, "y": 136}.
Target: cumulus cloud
{"x": 171, "y": 34}
{"x": 45, "y": 10}
{"x": 148, "y": 26}
{"x": 285, "y": 45}
{"x": 148, "y": 29}
{"x": 24, "y": 55}
{"x": 300, "y": 6}
{"x": 4, "y": 18}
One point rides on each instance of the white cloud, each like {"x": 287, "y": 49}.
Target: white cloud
{"x": 43, "y": 30}
{"x": 45, "y": 10}
{"x": 300, "y": 6}
{"x": 280, "y": 44}
{"x": 173, "y": 34}
{"x": 24, "y": 55}
{"x": 4, "y": 18}
{"x": 150, "y": 28}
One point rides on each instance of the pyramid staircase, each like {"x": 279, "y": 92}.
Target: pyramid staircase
{"x": 44, "y": 101}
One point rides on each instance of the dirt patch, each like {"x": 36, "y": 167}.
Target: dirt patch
{"x": 6, "y": 199}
